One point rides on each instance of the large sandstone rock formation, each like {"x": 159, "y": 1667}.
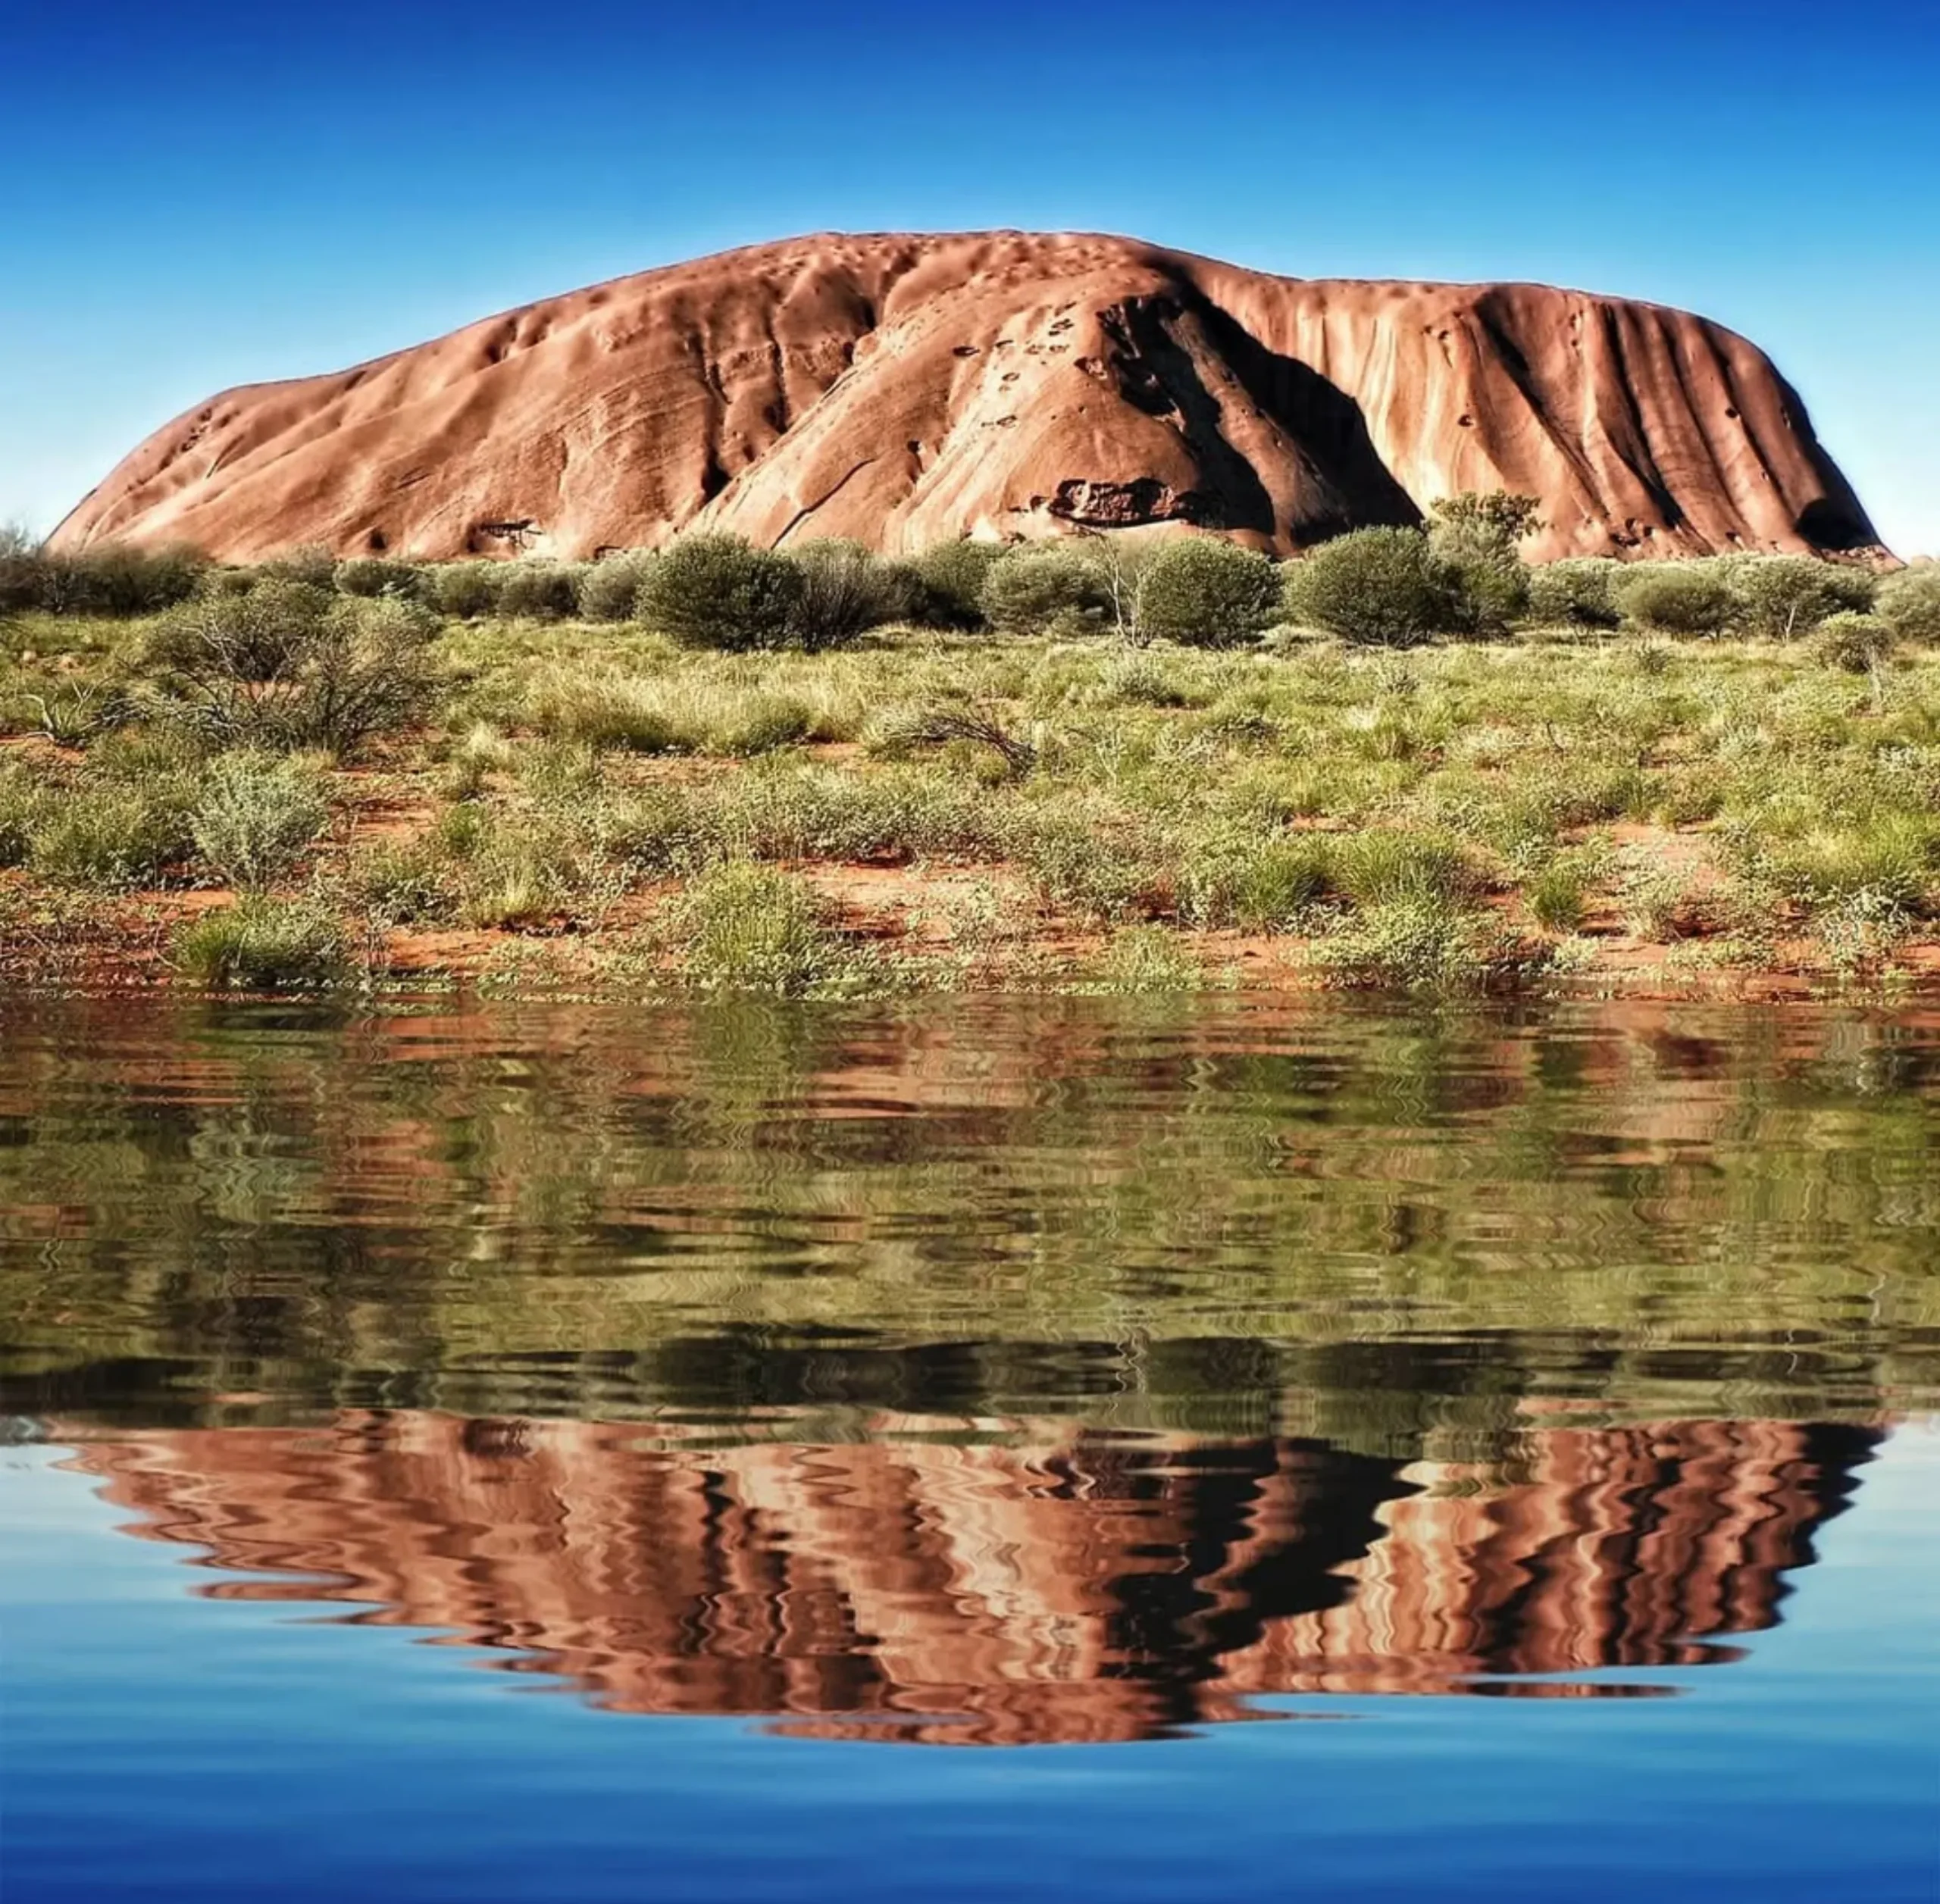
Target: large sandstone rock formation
{"x": 905, "y": 390}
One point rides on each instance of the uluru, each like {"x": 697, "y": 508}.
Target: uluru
{"x": 905, "y": 390}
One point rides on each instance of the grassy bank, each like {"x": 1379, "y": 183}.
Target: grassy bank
{"x": 274, "y": 784}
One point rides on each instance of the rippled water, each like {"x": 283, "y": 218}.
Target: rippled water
{"x": 759, "y": 1394}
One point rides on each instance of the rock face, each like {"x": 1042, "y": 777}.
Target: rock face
{"x": 907, "y": 390}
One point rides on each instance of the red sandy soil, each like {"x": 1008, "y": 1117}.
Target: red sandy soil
{"x": 905, "y": 390}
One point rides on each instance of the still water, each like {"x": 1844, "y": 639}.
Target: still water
{"x": 1076, "y": 1449}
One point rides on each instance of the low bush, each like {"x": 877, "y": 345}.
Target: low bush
{"x": 948, "y": 583}
{"x": 109, "y": 579}
{"x": 1675, "y": 597}
{"x": 1381, "y": 587}
{"x": 1577, "y": 592}
{"x": 1046, "y": 588}
{"x": 328, "y": 675}
{"x": 609, "y": 589}
{"x": 264, "y": 945}
{"x": 309, "y": 563}
{"x": 1909, "y": 603}
{"x": 1384, "y": 865}
{"x": 24, "y": 799}
{"x": 1558, "y": 892}
{"x": 1894, "y": 861}
{"x": 1785, "y": 596}
{"x": 1853, "y": 644}
{"x": 400, "y": 883}
{"x": 604, "y": 710}
{"x": 1206, "y": 591}
{"x": 538, "y": 590}
{"x": 370, "y": 575}
{"x": 1258, "y": 885}
{"x": 718, "y": 590}
{"x": 1139, "y": 959}
{"x": 844, "y": 592}
{"x": 256, "y": 816}
{"x": 1476, "y": 536}
{"x": 743, "y": 928}
{"x": 465, "y": 590}
{"x": 114, "y": 837}
{"x": 1417, "y": 944}
{"x": 247, "y": 638}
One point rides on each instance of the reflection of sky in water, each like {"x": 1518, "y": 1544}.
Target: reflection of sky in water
{"x": 163, "y": 1746}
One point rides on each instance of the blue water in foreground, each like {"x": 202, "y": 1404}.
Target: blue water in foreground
{"x": 977, "y": 1450}
{"x": 166, "y": 1746}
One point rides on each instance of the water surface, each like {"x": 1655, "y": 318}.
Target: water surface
{"x": 1076, "y": 1448}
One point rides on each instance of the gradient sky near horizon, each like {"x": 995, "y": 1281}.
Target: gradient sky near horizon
{"x": 209, "y": 193}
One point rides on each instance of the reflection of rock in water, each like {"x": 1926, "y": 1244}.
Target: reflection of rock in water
{"x": 1094, "y": 1589}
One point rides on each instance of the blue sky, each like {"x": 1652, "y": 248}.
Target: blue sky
{"x": 206, "y": 192}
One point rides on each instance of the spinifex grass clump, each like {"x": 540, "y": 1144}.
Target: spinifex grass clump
{"x": 264, "y": 945}
{"x": 743, "y": 928}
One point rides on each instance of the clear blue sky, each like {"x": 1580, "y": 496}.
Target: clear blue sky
{"x": 205, "y": 192}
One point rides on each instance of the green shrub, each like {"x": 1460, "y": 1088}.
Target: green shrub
{"x": 1258, "y": 885}
{"x": 1854, "y": 644}
{"x": 1785, "y": 596}
{"x": 609, "y": 587}
{"x": 743, "y": 928}
{"x": 113, "y": 836}
{"x": 1476, "y": 536}
{"x": 514, "y": 882}
{"x": 1675, "y": 597}
{"x": 1382, "y": 587}
{"x": 949, "y": 583}
{"x": 23, "y": 571}
{"x": 472, "y": 759}
{"x": 256, "y": 816}
{"x": 1385, "y": 865}
{"x": 604, "y": 710}
{"x": 538, "y": 590}
{"x": 25, "y": 797}
{"x": 1148, "y": 959}
{"x": 1558, "y": 893}
{"x": 1204, "y": 590}
{"x": 108, "y": 579}
{"x": 465, "y": 590}
{"x": 368, "y": 575}
{"x": 843, "y": 592}
{"x": 70, "y": 714}
{"x": 718, "y": 591}
{"x": 248, "y": 638}
{"x": 300, "y": 679}
{"x": 309, "y": 563}
{"x": 1417, "y": 944}
{"x": 1894, "y": 861}
{"x": 1101, "y": 868}
{"x": 1043, "y": 587}
{"x": 264, "y": 945}
{"x": 758, "y": 724}
{"x": 402, "y": 883}
{"x": 1578, "y": 591}
{"x": 1909, "y": 602}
